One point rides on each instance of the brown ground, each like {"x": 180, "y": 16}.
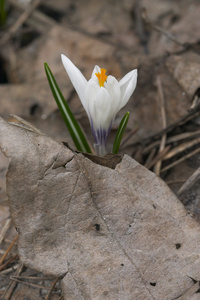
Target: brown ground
{"x": 159, "y": 38}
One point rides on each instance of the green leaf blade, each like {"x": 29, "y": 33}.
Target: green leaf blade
{"x": 2, "y": 13}
{"x": 69, "y": 119}
{"x": 120, "y": 133}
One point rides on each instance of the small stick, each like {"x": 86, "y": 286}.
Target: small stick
{"x": 23, "y": 17}
{"x": 172, "y": 139}
{"x": 19, "y": 122}
{"x": 52, "y": 287}
{"x": 8, "y": 292}
{"x": 157, "y": 166}
{"x": 8, "y": 262}
{"x": 190, "y": 182}
{"x": 180, "y": 148}
{"x": 37, "y": 18}
{"x": 11, "y": 269}
{"x": 5, "y": 229}
{"x": 140, "y": 25}
{"x": 8, "y": 250}
{"x": 175, "y": 181}
{"x": 160, "y": 29}
{"x": 180, "y": 160}
{"x": 124, "y": 141}
{"x": 37, "y": 286}
{"x": 150, "y": 158}
{"x": 158, "y": 157}
{"x": 33, "y": 278}
{"x": 192, "y": 114}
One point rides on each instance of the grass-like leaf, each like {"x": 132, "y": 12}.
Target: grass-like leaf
{"x": 2, "y": 12}
{"x": 70, "y": 121}
{"x": 120, "y": 133}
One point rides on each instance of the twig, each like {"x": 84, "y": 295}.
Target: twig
{"x": 160, "y": 29}
{"x": 52, "y": 287}
{"x": 19, "y": 122}
{"x": 40, "y": 17}
{"x": 11, "y": 269}
{"x": 140, "y": 25}
{"x": 158, "y": 157}
{"x": 8, "y": 262}
{"x": 37, "y": 18}
{"x": 157, "y": 166}
{"x": 125, "y": 140}
{"x": 33, "y": 278}
{"x": 175, "y": 181}
{"x": 180, "y": 148}
{"x": 8, "y": 293}
{"x": 8, "y": 250}
{"x": 23, "y": 17}
{"x": 5, "y": 229}
{"x": 191, "y": 114}
{"x": 172, "y": 139}
{"x": 8, "y": 241}
{"x": 37, "y": 286}
{"x": 180, "y": 160}
{"x": 150, "y": 158}
{"x": 190, "y": 182}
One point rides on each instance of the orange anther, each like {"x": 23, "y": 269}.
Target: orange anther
{"x": 102, "y": 77}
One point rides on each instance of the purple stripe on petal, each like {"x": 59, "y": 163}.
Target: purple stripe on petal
{"x": 93, "y": 131}
{"x": 100, "y": 135}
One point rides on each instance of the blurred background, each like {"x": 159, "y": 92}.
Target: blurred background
{"x": 159, "y": 37}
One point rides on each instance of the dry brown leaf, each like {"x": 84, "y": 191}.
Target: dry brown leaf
{"x": 28, "y": 99}
{"x": 116, "y": 233}
{"x": 185, "y": 69}
{"x": 3, "y": 170}
{"x": 83, "y": 50}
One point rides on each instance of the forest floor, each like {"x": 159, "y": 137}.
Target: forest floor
{"x": 160, "y": 38}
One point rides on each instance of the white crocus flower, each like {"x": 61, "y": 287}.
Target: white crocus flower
{"x": 102, "y": 97}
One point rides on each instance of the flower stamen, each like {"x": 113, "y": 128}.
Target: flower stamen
{"x": 101, "y": 77}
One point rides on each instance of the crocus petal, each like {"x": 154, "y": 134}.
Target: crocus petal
{"x": 127, "y": 86}
{"x": 113, "y": 87}
{"x": 103, "y": 103}
{"x": 78, "y": 80}
{"x": 91, "y": 92}
{"x": 96, "y": 69}
{"x": 99, "y": 104}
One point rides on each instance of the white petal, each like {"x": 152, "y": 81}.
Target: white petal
{"x": 127, "y": 86}
{"x": 103, "y": 104}
{"x": 99, "y": 105}
{"x": 78, "y": 80}
{"x": 96, "y": 69}
{"x": 113, "y": 87}
{"x": 91, "y": 91}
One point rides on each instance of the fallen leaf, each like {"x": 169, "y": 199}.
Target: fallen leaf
{"x": 3, "y": 170}
{"x": 25, "y": 100}
{"x": 83, "y": 50}
{"x": 185, "y": 70}
{"x": 116, "y": 233}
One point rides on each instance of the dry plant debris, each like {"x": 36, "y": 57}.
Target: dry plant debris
{"x": 119, "y": 232}
{"x": 161, "y": 39}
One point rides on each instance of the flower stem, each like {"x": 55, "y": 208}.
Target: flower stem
{"x": 100, "y": 150}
